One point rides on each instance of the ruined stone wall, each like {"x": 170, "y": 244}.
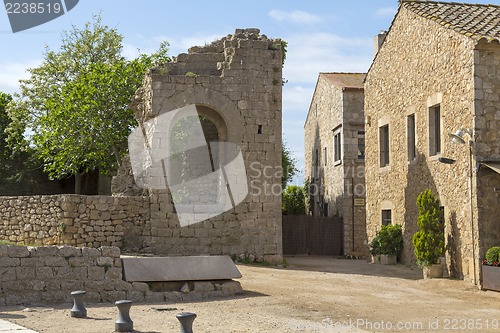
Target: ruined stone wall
{"x": 72, "y": 219}
{"x": 421, "y": 64}
{"x": 335, "y": 110}
{"x": 234, "y": 82}
{"x": 45, "y": 275}
{"x": 487, "y": 145}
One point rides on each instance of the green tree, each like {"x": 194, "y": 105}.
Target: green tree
{"x": 294, "y": 200}
{"x": 15, "y": 167}
{"x": 288, "y": 165}
{"x": 428, "y": 241}
{"x": 75, "y": 104}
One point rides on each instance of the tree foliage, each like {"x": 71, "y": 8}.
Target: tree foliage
{"x": 288, "y": 165}
{"x": 428, "y": 242}
{"x": 75, "y": 104}
{"x": 294, "y": 200}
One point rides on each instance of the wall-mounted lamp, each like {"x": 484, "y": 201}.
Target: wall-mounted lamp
{"x": 459, "y": 136}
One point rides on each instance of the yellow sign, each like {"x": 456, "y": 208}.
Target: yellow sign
{"x": 359, "y": 202}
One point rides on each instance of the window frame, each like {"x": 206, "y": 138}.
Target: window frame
{"x": 384, "y": 146}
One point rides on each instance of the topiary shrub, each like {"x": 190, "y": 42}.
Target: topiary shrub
{"x": 428, "y": 242}
{"x": 493, "y": 255}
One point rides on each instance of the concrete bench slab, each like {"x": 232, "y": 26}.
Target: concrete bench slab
{"x": 192, "y": 268}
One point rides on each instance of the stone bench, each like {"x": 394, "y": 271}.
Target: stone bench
{"x": 166, "y": 269}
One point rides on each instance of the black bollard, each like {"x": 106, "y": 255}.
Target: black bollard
{"x": 78, "y": 310}
{"x": 124, "y": 323}
{"x": 186, "y": 319}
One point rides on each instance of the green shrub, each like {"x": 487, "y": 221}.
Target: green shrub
{"x": 428, "y": 242}
{"x": 389, "y": 241}
{"x": 493, "y": 254}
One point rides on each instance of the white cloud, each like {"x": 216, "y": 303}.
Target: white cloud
{"x": 310, "y": 54}
{"x": 294, "y": 16}
{"x": 385, "y": 12}
{"x": 12, "y": 72}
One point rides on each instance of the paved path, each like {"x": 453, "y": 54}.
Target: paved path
{"x": 7, "y": 327}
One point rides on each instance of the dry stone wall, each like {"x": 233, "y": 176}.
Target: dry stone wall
{"x": 44, "y": 275}
{"x": 71, "y": 219}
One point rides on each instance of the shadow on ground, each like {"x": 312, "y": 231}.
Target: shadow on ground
{"x": 348, "y": 266}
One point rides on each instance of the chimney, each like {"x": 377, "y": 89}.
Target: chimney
{"x": 379, "y": 40}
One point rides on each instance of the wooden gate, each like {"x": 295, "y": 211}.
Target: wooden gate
{"x": 312, "y": 235}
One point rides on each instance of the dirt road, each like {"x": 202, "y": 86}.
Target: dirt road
{"x": 310, "y": 295}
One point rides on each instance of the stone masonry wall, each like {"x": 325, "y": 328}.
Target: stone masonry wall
{"x": 71, "y": 219}
{"x": 234, "y": 82}
{"x": 44, "y": 275}
{"x": 487, "y": 145}
{"x": 331, "y": 108}
{"x": 421, "y": 64}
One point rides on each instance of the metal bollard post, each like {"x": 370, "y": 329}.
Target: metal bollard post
{"x": 78, "y": 310}
{"x": 124, "y": 323}
{"x": 186, "y": 319}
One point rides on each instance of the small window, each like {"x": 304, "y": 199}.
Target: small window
{"x": 386, "y": 217}
{"x": 316, "y": 164}
{"x": 337, "y": 145}
{"x": 434, "y": 130}
{"x": 384, "y": 145}
{"x": 325, "y": 209}
{"x": 325, "y": 154}
{"x": 361, "y": 145}
{"x": 410, "y": 125}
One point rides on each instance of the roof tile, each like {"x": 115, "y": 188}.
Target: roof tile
{"x": 472, "y": 20}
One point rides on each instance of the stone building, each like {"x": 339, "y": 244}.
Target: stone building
{"x": 438, "y": 71}
{"x": 234, "y": 85}
{"x": 335, "y": 153}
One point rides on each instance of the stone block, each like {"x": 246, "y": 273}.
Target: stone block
{"x": 44, "y": 273}
{"x": 203, "y": 287}
{"x": 231, "y": 288}
{"x": 69, "y": 251}
{"x": 113, "y": 296}
{"x": 9, "y": 262}
{"x": 56, "y": 262}
{"x": 18, "y": 251}
{"x": 155, "y": 297}
{"x": 90, "y": 252}
{"x": 110, "y": 251}
{"x": 7, "y": 274}
{"x": 25, "y": 273}
{"x": 136, "y": 296}
{"x": 113, "y": 273}
{"x": 95, "y": 273}
{"x": 105, "y": 261}
{"x": 179, "y": 268}
{"x": 140, "y": 286}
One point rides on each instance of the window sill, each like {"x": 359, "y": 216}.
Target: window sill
{"x": 434, "y": 157}
{"x": 385, "y": 169}
{"x": 412, "y": 162}
{"x": 339, "y": 162}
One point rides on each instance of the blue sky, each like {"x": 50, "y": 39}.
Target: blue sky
{"x": 323, "y": 36}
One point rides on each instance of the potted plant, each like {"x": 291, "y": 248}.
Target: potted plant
{"x": 428, "y": 241}
{"x": 491, "y": 269}
{"x": 387, "y": 244}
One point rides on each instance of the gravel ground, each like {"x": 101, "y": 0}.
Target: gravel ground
{"x": 313, "y": 294}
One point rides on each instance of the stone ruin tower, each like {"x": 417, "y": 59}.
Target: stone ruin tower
{"x": 235, "y": 84}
